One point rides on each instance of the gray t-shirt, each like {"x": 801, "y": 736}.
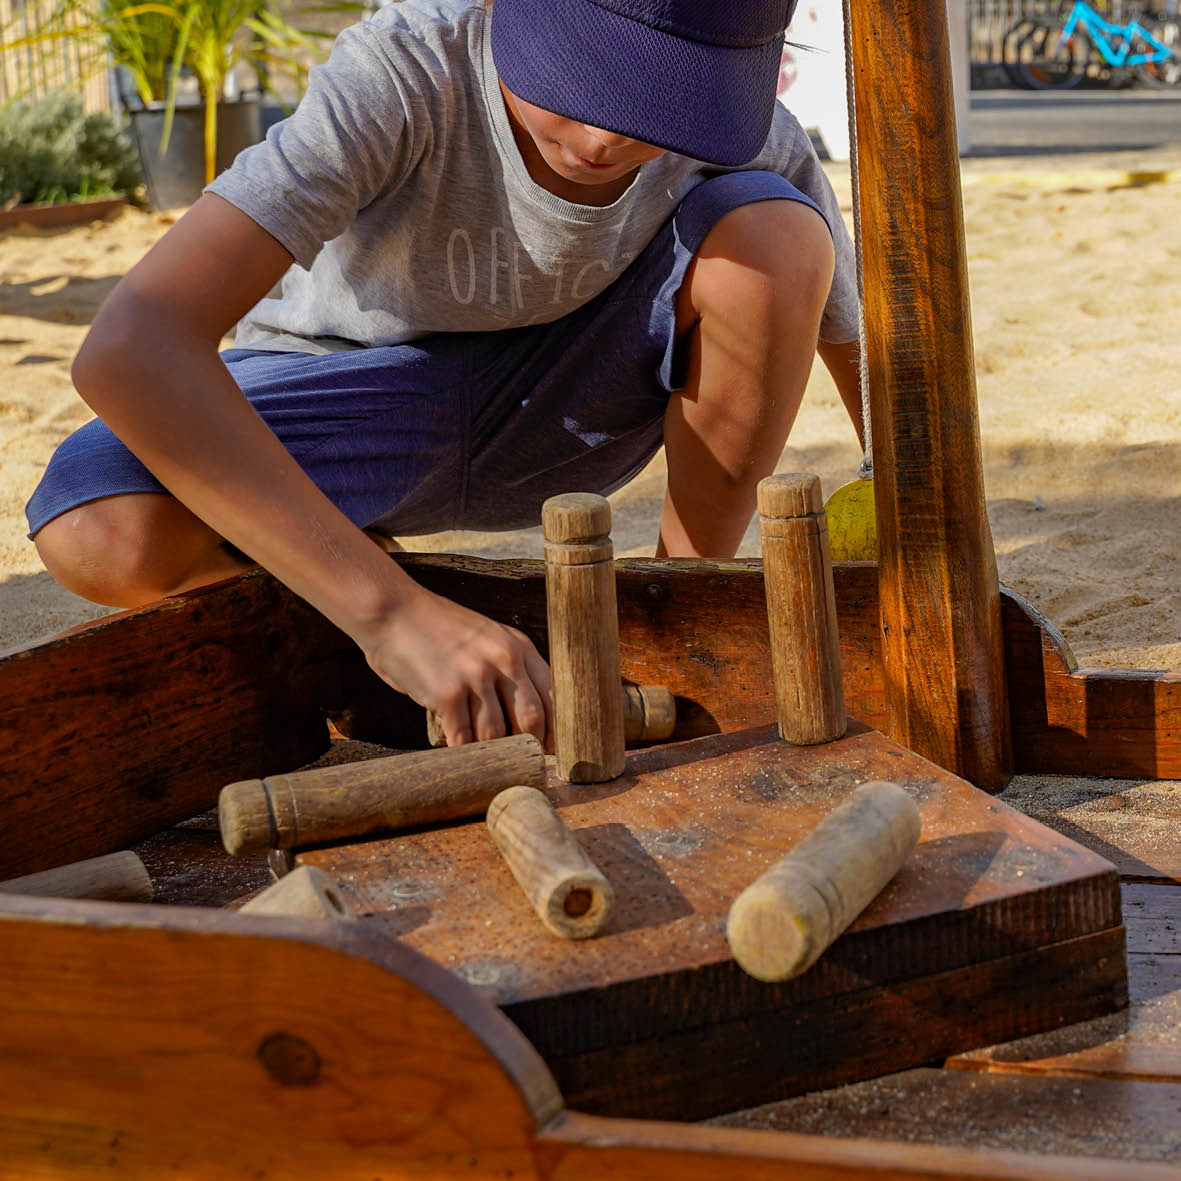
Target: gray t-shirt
{"x": 399, "y": 190}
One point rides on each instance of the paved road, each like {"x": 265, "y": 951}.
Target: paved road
{"x": 1034, "y": 123}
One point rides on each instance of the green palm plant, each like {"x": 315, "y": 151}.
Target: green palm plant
{"x": 156, "y": 41}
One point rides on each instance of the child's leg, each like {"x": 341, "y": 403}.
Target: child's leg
{"x": 124, "y": 551}
{"x": 369, "y": 427}
{"x": 751, "y": 305}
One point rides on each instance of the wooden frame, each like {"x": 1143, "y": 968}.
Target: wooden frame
{"x": 135, "y": 1036}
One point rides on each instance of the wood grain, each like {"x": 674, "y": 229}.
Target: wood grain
{"x": 782, "y": 922}
{"x": 654, "y": 1017}
{"x": 353, "y": 799}
{"x": 145, "y": 1042}
{"x": 306, "y": 892}
{"x": 1142, "y": 1043}
{"x": 583, "y": 622}
{"x": 150, "y": 1042}
{"x": 940, "y": 599}
{"x": 115, "y": 729}
{"x": 801, "y": 609}
{"x": 563, "y": 885}
{"x": 116, "y": 877}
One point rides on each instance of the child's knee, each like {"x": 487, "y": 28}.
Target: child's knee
{"x": 770, "y": 260}
{"x": 124, "y": 551}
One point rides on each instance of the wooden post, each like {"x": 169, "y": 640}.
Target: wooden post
{"x": 801, "y": 610}
{"x": 568, "y": 892}
{"x": 940, "y": 598}
{"x": 583, "y": 637}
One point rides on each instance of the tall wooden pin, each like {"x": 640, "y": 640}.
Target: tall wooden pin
{"x": 801, "y": 610}
{"x": 583, "y": 637}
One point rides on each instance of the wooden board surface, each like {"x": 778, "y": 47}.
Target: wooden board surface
{"x": 1141, "y": 1043}
{"x": 996, "y": 923}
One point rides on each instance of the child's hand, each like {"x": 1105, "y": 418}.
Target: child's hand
{"x": 482, "y": 679}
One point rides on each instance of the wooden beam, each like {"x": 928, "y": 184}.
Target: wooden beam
{"x": 940, "y": 601}
{"x": 113, "y": 730}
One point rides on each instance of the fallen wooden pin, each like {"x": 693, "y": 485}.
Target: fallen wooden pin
{"x": 115, "y": 877}
{"x": 649, "y": 715}
{"x": 306, "y": 892}
{"x": 570, "y": 895}
{"x": 781, "y": 924}
{"x": 332, "y": 803}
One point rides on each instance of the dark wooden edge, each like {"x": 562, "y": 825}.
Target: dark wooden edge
{"x": 115, "y": 729}
{"x": 587, "y": 1146}
{"x": 84, "y": 1132}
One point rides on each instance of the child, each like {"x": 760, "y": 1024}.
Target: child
{"x": 519, "y": 249}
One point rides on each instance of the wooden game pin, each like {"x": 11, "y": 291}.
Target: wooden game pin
{"x": 781, "y": 923}
{"x": 571, "y": 897}
{"x": 306, "y": 892}
{"x": 116, "y": 877}
{"x": 801, "y": 610}
{"x": 583, "y": 637}
{"x": 307, "y": 807}
{"x": 649, "y": 715}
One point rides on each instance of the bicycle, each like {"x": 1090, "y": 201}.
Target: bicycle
{"x": 1055, "y": 56}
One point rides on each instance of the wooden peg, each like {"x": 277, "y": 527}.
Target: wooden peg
{"x": 583, "y": 637}
{"x": 306, "y": 892}
{"x": 307, "y": 807}
{"x": 571, "y": 897}
{"x": 649, "y": 715}
{"x": 801, "y": 610}
{"x": 117, "y": 877}
{"x": 781, "y": 923}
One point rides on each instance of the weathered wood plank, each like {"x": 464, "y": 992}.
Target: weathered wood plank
{"x": 121, "y": 727}
{"x": 1143, "y": 1043}
{"x": 110, "y": 732}
{"x": 653, "y": 1016}
{"x": 146, "y": 1042}
{"x": 1116, "y": 1122}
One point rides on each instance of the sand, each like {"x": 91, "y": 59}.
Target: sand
{"x": 1075, "y": 284}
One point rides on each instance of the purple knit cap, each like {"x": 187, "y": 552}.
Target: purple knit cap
{"x": 697, "y": 77}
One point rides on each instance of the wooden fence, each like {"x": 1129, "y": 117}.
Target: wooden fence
{"x": 31, "y": 72}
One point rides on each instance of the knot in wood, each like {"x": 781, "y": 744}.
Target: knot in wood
{"x": 289, "y": 1060}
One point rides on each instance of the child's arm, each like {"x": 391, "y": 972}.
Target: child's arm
{"x": 150, "y": 369}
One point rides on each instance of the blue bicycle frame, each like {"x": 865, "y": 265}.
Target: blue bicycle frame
{"x": 1100, "y": 30}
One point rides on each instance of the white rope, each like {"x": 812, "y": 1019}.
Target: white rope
{"x": 867, "y": 433}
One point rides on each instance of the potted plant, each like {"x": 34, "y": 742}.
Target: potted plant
{"x": 162, "y": 45}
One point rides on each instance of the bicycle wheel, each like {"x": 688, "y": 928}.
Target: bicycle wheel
{"x": 1013, "y": 37}
{"x": 1047, "y": 60}
{"x": 1166, "y": 73}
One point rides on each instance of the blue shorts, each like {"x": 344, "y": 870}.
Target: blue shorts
{"x": 464, "y": 430}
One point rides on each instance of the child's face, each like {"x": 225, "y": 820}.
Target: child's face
{"x": 577, "y": 152}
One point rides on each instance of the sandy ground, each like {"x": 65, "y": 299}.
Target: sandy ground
{"x": 1075, "y": 285}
